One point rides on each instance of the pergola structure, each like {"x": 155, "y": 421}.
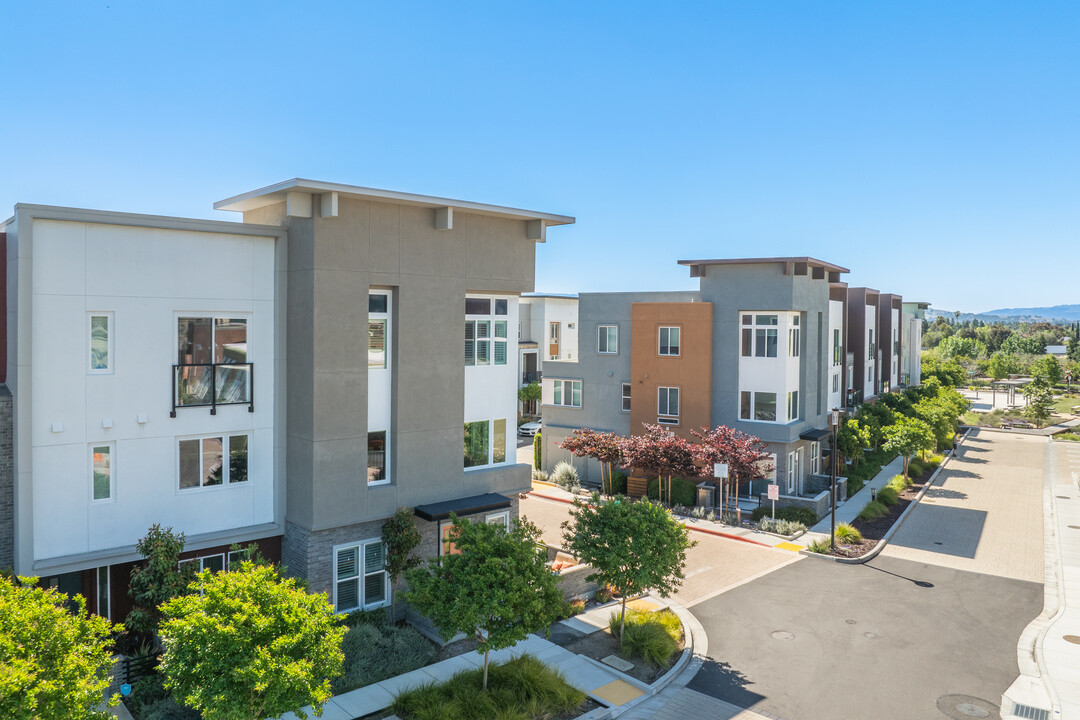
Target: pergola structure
{"x": 1009, "y": 387}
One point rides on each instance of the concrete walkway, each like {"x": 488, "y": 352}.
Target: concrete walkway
{"x": 847, "y": 511}
{"x": 1049, "y": 650}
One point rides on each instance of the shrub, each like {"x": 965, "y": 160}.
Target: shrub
{"x": 682, "y": 491}
{"x": 539, "y": 475}
{"x": 854, "y": 485}
{"x": 780, "y": 527}
{"x": 698, "y": 512}
{"x": 1068, "y": 435}
{"x": 899, "y": 483}
{"x": 873, "y": 511}
{"x": 565, "y": 476}
{"x": 917, "y": 468}
{"x": 820, "y": 546}
{"x": 618, "y": 482}
{"x": 538, "y": 448}
{"x": 653, "y": 637}
{"x": 375, "y": 618}
{"x": 795, "y": 513}
{"x": 847, "y": 535}
{"x": 374, "y": 653}
{"x": 888, "y": 496}
{"x": 168, "y": 709}
{"x": 146, "y": 691}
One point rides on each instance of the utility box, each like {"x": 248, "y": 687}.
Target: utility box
{"x": 706, "y": 495}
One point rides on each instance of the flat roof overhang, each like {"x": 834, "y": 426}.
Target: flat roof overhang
{"x": 816, "y": 434}
{"x": 818, "y": 269}
{"x": 462, "y": 506}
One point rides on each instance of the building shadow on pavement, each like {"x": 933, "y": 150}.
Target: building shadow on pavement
{"x": 940, "y": 493}
{"x": 724, "y": 682}
{"x": 950, "y": 531}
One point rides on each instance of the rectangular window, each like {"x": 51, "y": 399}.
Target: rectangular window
{"x": 501, "y": 519}
{"x": 870, "y": 345}
{"x": 360, "y": 578}
{"x": 477, "y": 443}
{"x": 747, "y": 341}
{"x": 667, "y": 403}
{"x": 766, "y": 320}
{"x": 567, "y": 393}
{"x": 554, "y": 332}
{"x": 744, "y": 405}
{"x": 815, "y": 457}
{"x": 100, "y": 343}
{"x": 669, "y": 341}
{"x": 765, "y": 406}
{"x": 793, "y": 405}
{"x": 447, "y": 534}
{"x": 470, "y": 343}
{"x": 477, "y": 306}
{"x": 791, "y": 473}
{"x": 837, "y": 348}
{"x": 212, "y": 352}
{"x": 501, "y": 306}
{"x": 626, "y": 397}
{"x": 376, "y": 344}
{"x": 202, "y": 461}
{"x": 607, "y": 339}
{"x": 101, "y": 471}
{"x": 103, "y": 591}
{"x": 376, "y": 457}
{"x": 499, "y": 342}
{"x": 836, "y": 382}
{"x": 498, "y": 441}
{"x": 378, "y": 304}
{"x": 793, "y": 342}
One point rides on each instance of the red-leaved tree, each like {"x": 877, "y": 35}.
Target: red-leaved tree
{"x": 659, "y": 450}
{"x": 744, "y": 455}
{"x": 605, "y": 447}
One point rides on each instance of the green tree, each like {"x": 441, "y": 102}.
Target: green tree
{"x": 1002, "y": 365}
{"x": 54, "y": 663}
{"x": 159, "y": 579}
{"x": 1040, "y": 401}
{"x": 497, "y": 587}
{"x": 851, "y": 439}
{"x": 1048, "y": 368}
{"x": 907, "y": 437}
{"x": 875, "y": 417}
{"x": 538, "y": 447}
{"x": 938, "y": 417}
{"x": 631, "y": 546}
{"x": 530, "y": 393}
{"x": 400, "y": 538}
{"x": 250, "y": 645}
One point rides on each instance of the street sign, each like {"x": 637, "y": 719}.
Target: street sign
{"x": 125, "y": 689}
{"x": 774, "y": 491}
{"x": 720, "y": 470}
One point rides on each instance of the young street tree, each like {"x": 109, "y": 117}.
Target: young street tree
{"x": 659, "y": 450}
{"x": 631, "y": 546}
{"x": 250, "y": 645}
{"x": 744, "y": 455}
{"x": 160, "y": 579}
{"x": 400, "y": 537}
{"x": 907, "y": 437}
{"x": 495, "y": 587}
{"x": 1040, "y": 400}
{"x": 605, "y": 447}
{"x": 851, "y": 440}
{"x": 54, "y": 663}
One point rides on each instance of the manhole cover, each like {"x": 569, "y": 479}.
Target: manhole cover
{"x": 1075, "y": 639}
{"x": 870, "y": 636}
{"x": 962, "y": 707}
{"x": 782, "y": 635}
{"x": 849, "y": 621}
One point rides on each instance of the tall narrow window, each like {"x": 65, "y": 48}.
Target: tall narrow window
{"x": 103, "y": 598}
{"x": 238, "y": 458}
{"x": 477, "y": 443}
{"x": 101, "y": 470}
{"x": 376, "y": 344}
{"x": 793, "y": 337}
{"x": 626, "y": 397}
{"x": 744, "y": 405}
{"x": 669, "y": 341}
{"x": 793, "y": 405}
{"x": 100, "y": 343}
{"x": 376, "y": 462}
{"x": 870, "y": 345}
{"x": 499, "y": 342}
{"x": 747, "y": 341}
{"x": 607, "y": 339}
{"x": 837, "y": 348}
{"x": 498, "y": 441}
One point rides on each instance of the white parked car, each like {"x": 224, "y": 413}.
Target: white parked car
{"x": 529, "y": 429}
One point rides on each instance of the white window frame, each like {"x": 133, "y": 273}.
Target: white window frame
{"x": 110, "y": 324}
{"x": 500, "y": 518}
{"x": 753, "y": 406}
{"x": 553, "y": 333}
{"x": 559, "y": 385}
{"x": 491, "y": 340}
{"x": 111, "y": 444}
{"x": 771, "y": 475}
{"x": 815, "y": 458}
{"x": 226, "y": 451}
{"x": 667, "y": 418}
{"x": 625, "y": 399}
{"x": 604, "y": 331}
{"x": 870, "y": 344}
{"x": 838, "y": 349}
{"x": 660, "y": 341}
{"x": 794, "y": 338}
{"x": 108, "y": 591}
{"x": 836, "y": 382}
{"x": 386, "y": 461}
{"x": 387, "y": 333}
{"x": 793, "y": 405}
{"x": 361, "y": 576}
{"x": 491, "y": 444}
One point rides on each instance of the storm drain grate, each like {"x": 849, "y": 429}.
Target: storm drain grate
{"x": 1029, "y": 713}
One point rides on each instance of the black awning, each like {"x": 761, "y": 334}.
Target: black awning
{"x": 461, "y": 506}
{"x": 815, "y": 434}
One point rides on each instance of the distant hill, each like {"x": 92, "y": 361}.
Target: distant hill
{"x": 1008, "y": 316}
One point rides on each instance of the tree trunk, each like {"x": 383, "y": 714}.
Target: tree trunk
{"x": 622, "y": 621}
{"x": 486, "y": 653}
{"x": 906, "y": 461}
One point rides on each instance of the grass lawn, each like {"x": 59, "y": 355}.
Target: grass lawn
{"x": 523, "y": 689}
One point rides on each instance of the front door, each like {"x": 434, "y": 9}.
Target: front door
{"x": 553, "y": 341}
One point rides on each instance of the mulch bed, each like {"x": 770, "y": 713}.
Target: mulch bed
{"x": 599, "y": 645}
{"x": 873, "y": 530}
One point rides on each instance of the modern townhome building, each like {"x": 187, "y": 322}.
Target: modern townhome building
{"x": 751, "y": 349}
{"x": 862, "y": 345}
{"x": 291, "y": 379}
{"x": 888, "y": 323}
{"x": 547, "y": 330}
{"x": 145, "y": 361}
{"x": 402, "y": 312}
{"x": 911, "y": 320}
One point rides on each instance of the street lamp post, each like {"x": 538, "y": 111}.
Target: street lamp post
{"x": 834, "y": 420}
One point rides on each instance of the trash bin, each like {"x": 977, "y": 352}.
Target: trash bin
{"x": 706, "y": 495}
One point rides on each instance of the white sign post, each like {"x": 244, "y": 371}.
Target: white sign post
{"x": 774, "y": 495}
{"x": 720, "y": 471}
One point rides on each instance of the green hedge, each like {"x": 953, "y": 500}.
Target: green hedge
{"x": 682, "y": 491}
{"x": 618, "y": 482}
{"x": 794, "y": 513}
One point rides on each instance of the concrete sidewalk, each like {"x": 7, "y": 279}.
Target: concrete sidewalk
{"x": 847, "y": 511}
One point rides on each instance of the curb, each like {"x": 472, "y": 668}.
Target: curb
{"x": 896, "y": 525}
{"x": 718, "y": 533}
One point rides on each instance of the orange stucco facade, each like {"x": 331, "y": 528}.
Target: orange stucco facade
{"x": 690, "y": 371}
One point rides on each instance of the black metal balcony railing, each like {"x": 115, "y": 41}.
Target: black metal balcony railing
{"x": 213, "y": 384}
{"x": 530, "y": 377}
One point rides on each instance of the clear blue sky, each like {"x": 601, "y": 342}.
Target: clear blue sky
{"x": 930, "y": 147}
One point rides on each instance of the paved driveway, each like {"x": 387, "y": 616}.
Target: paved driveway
{"x": 984, "y": 513}
{"x": 818, "y": 640}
